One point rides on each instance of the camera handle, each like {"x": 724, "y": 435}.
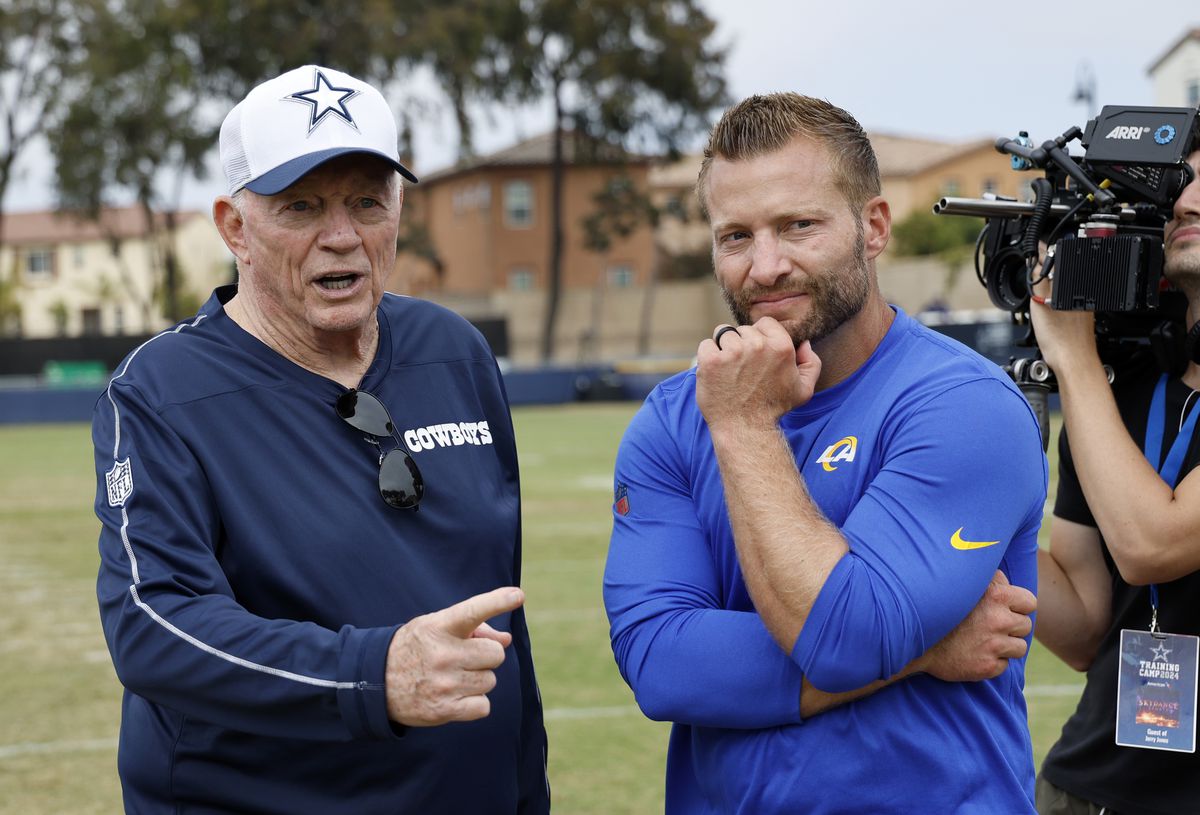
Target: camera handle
{"x": 1035, "y": 379}
{"x": 1051, "y": 151}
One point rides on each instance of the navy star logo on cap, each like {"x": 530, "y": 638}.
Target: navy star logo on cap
{"x": 325, "y": 99}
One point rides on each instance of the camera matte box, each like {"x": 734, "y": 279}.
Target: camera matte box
{"x": 1143, "y": 149}
{"x": 1141, "y": 135}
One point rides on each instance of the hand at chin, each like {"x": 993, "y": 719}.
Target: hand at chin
{"x": 754, "y": 376}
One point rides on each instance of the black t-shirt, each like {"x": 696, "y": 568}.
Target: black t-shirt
{"x": 1086, "y": 761}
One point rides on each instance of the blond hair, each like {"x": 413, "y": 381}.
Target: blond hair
{"x": 762, "y": 124}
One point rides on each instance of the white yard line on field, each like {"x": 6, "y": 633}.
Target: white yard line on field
{"x": 1069, "y": 689}
{"x": 553, "y": 714}
{"x": 74, "y": 746}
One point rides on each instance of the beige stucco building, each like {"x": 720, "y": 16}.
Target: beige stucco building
{"x": 1176, "y": 74}
{"x": 482, "y": 242}
{"x": 914, "y": 173}
{"x": 68, "y": 276}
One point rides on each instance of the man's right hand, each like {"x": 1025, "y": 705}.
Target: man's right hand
{"x": 992, "y": 634}
{"x": 440, "y": 666}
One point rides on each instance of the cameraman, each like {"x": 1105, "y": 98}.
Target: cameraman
{"x": 1120, "y": 529}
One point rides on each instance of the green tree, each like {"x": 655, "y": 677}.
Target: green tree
{"x": 135, "y": 122}
{"x": 949, "y": 239}
{"x": 158, "y": 73}
{"x": 61, "y": 314}
{"x": 646, "y": 75}
{"x": 145, "y": 114}
{"x": 10, "y": 304}
{"x": 922, "y": 233}
{"x": 622, "y": 207}
{"x": 235, "y": 44}
{"x": 468, "y": 45}
{"x": 38, "y": 49}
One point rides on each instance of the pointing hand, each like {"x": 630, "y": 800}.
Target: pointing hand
{"x": 441, "y": 666}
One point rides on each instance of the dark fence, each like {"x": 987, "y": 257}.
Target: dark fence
{"x": 39, "y": 396}
{"x": 997, "y": 341}
{"x": 19, "y": 357}
{"x": 38, "y": 357}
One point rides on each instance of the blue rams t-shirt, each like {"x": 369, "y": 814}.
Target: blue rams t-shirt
{"x": 930, "y": 462}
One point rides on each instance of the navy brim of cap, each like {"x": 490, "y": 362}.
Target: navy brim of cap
{"x": 288, "y": 173}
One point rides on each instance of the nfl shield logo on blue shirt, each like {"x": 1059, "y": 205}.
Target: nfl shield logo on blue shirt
{"x": 120, "y": 483}
{"x": 621, "y": 499}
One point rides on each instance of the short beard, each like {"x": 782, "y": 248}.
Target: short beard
{"x": 836, "y": 296}
{"x": 1183, "y": 270}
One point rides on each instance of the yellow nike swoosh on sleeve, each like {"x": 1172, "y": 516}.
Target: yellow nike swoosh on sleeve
{"x": 957, "y": 542}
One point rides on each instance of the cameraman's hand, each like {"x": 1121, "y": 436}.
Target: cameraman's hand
{"x": 1067, "y": 339}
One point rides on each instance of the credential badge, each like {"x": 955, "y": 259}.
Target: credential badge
{"x": 120, "y": 483}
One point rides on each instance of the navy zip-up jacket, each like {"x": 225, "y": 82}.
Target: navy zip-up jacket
{"x": 251, "y": 577}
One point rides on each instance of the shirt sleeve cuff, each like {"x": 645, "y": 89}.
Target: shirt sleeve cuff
{"x": 361, "y": 693}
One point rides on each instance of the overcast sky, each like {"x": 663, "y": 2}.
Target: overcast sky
{"x": 951, "y": 69}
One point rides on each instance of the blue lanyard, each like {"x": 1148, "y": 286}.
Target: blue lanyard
{"x": 1170, "y": 465}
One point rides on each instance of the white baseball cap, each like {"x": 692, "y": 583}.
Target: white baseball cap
{"x": 294, "y": 123}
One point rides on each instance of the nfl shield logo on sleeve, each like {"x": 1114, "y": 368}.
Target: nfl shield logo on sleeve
{"x": 120, "y": 483}
{"x": 621, "y": 499}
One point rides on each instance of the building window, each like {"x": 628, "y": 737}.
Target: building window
{"x": 950, "y": 187}
{"x": 91, "y": 321}
{"x": 1193, "y": 93}
{"x": 620, "y": 276}
{"x": 118, "y": 320}
{"x": 518, "y": 204}
{"x": 989, "y": 185}
{"x": 520, "y": 279}
{"x": 473, "y": 197}
{"x": 78, "y": 257}
{"x": 39, "y": 264}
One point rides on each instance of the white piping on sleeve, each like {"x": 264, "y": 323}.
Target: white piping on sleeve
{"x": 133, "y": 588}
{"x": 108, "y": 390}
{"x": 254, "y": 666}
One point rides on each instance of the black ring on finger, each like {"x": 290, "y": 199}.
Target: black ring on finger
{"x": 722, "y": 333}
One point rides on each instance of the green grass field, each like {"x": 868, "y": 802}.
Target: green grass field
{"x": 59, "y": 697}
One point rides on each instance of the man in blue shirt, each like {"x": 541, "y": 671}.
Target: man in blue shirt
{"x": 804, "y": 518}
{"x": 310, "y": 508}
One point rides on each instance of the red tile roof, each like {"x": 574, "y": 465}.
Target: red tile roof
{"x": 51, "y": 227}
{"x": 538, "y": 152}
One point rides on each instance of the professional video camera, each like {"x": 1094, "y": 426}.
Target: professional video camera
{"x": 1102, "y": 215}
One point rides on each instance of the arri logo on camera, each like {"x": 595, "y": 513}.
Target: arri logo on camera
{"x": 1124, "y": 132}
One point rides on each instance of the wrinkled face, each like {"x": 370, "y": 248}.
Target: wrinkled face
{"x": 785, "y": 242}
{"x": 1181, "y": 237}
{"x": 320, "y": 252}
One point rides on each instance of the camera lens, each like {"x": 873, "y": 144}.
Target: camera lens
{"x": 1004, "y": 275}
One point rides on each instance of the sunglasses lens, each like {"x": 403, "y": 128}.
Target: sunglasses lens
{"x": 364, "y": 412}
{"x": 400, "y": 481}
